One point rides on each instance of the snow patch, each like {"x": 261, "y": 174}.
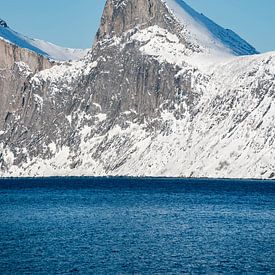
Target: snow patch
{"x": 166, "y": 47}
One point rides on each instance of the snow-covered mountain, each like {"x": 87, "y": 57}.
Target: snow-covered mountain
{"x": 163, "y": 92}
{"x": 206, "y": 34}
{"x": 41, "y": 47}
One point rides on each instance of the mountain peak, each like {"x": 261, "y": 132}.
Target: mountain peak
{"x": 120, "y": 16}
{"x": 3, "y": 23}
{"x": 196, "y": 31}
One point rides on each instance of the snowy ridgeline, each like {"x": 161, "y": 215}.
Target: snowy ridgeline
{"x": 206, "y": 33}
{"x": 41, "y": 47}
{"x": 220, "y": 123}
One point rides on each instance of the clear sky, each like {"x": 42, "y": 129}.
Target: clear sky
{"x": 73, "y": 23}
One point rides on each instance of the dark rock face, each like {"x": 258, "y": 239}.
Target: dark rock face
{"x": 121, "y": 16}
{"x": 3, "y": 23}
{"x": 17, "y": 65}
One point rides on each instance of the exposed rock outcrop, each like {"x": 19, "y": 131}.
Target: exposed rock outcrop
{"x": 122, "y": 16}
{"x": 3, "y": 23}
{"x": 16, "y": 67}
{"x": 11, "y": 54}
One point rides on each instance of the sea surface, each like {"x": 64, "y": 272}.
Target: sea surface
{"x": 136, "y": 226}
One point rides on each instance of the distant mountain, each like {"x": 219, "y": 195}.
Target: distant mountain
{"x": 41, "y": 47}
{"x": 164, "y": 92}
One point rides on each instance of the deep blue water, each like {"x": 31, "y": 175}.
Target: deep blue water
{"x": 145, "y": 226}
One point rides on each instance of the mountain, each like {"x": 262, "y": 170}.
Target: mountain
{"x": 41, "y": 47}
{"x": 163, "y": 92}
{"x": 203, "y": 32}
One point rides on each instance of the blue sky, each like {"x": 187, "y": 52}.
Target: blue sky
{"x": 73, "y": 23}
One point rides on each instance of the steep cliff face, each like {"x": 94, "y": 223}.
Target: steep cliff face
{"x": 16, "y": 66}
{"x": 162, "y": 93}
{"x": 122, "y": 16}
{"x": 11, "y": 53}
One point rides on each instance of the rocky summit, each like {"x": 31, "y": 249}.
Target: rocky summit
{"x": 164, "y": 91}
{"x": 3, "y": 23}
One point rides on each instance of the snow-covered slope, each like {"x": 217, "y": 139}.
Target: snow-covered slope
{"x": 41, "y": 47}
{"x": 205, "y": 33}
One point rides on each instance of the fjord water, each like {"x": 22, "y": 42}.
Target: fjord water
{"x": 145, "y": 226}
